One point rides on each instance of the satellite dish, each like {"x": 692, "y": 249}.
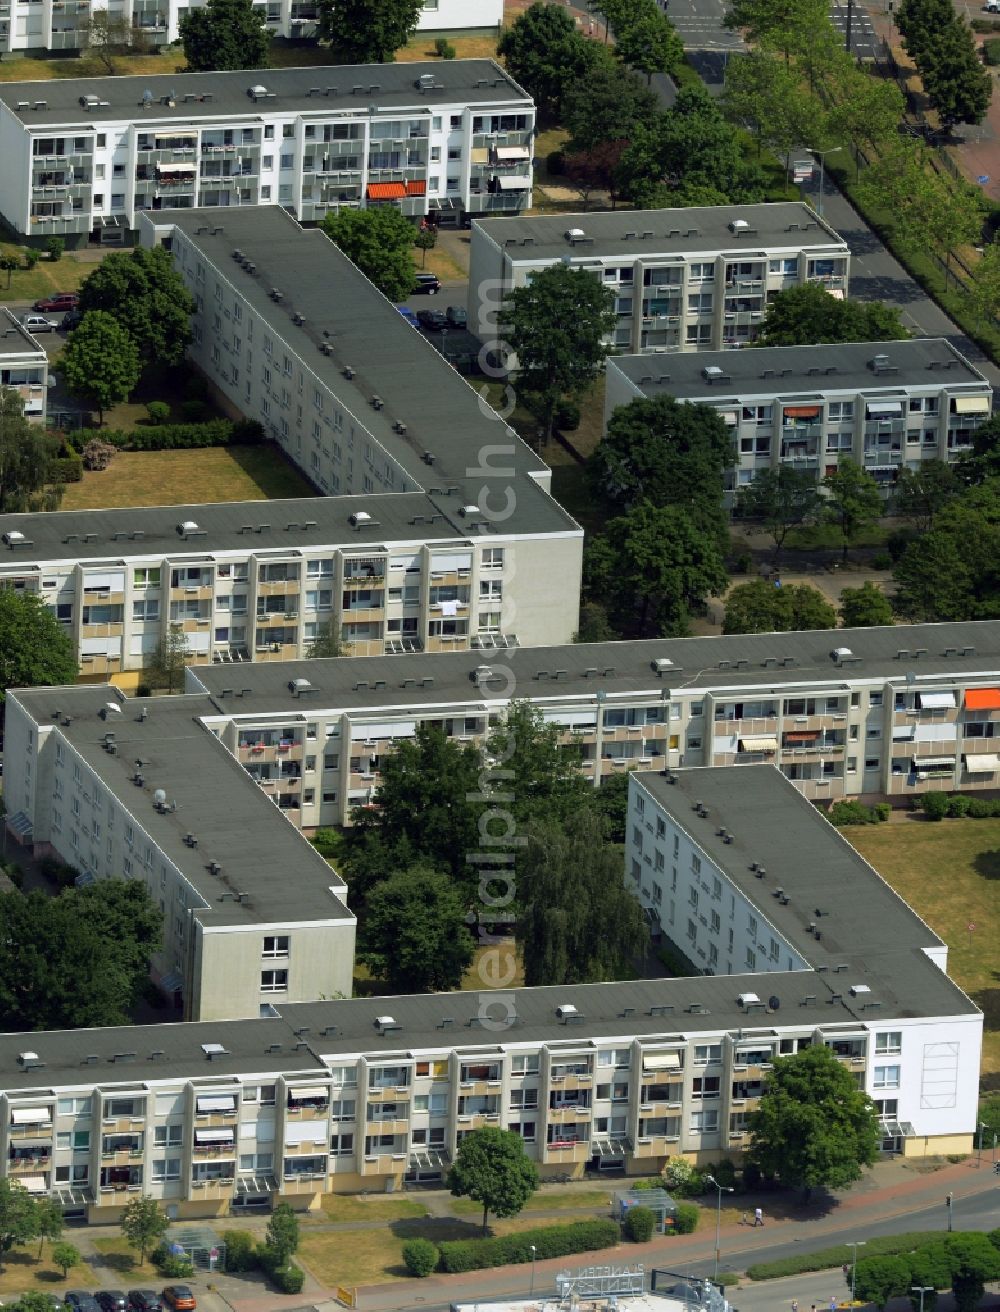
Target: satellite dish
{"x": 774, "y": 1002}
{"x": 159, "y": 797}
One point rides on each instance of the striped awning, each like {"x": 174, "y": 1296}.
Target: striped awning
{"x": 971, "y": 405}
{"x": 386, "y": 190}
{"x": 769, "y": 744}
{"x": 416, "y": 187}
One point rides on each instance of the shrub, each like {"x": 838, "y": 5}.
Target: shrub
{"x": 856, "y": 813}
{"x": 31, "y": 257}
{"x": 726, "y": 1279}
{"x": 241, "y": 1251}
{"x": 98, "y": 454}
{"x": 678, "y": 1174}
{"x": 882, "y": 560}
{"x": 555, "y": 162}
{"x": 742, "y": 563}
{"x": 175, "y": 1266}
{"x": 686, "y": 1219}
{"x": 55, "y": 247}
{"x": 58, "y": 871}
{"x": 444, "y": 49}
{"x": 194, "y": 409}
{"x": 824, "y": 1258}
{"x": 725, "y": 1173}
{"x": 567, "y": 415}
{"x": 170, "y": 437}
{"x": 67, "y": 468}
{"x": 991, "y": 51}
{"x": 288, "y": 1279}
{"x": 420, "y": 1256}
{"x": 958, "y": 805}
{"x": 934, "y": 805}
{"x": 158, "y": 412}
{"x": 883, "y": 810}
{"x": 551, "y": 1241}
{"x": 640, "y": 1222}
{"x": 751, "y": 1175}
{"x": 981, "y": 808}
{"x": 985, "y": 25}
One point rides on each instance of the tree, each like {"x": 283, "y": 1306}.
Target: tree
{"x": 650, "y": 45}
{"x": 492, "y": 1168}
{"x": 143, "y": 291}
{"x": 100, "y": 362}
{"x": 761, "y": 607}
{"x": 27, "y": 457}
{"x": 544, "y": 52}
{"x": 594, "y": 624}
{"x": 55, "y": 246}
{"x": 415, "y": 938}
{"x": 770, "y": 100}
{"x": 813, "y": 1128}
{"x": 425, "y": 240}
{"x": 170, "y": 658}
{"x": 974, "y": 1262}
{"x": 50, "y": 1222}
{"x": 65, "y": 1256}
{"x": 143, "y": 1224}
{"x": 983, "y": 461}
{"x": 779, "y": 500}
{"x": 606, "y": 108}
{"x": 610, "y": 803}
{"x": 367, "y": 31}
{"x": 595, "y": 169}
{"x": 107, "y": 35}
{"x": 866, "y": 607}
{"x": 666, "y": 452}
{"x": 18, "y": 1217}
{"x": 657, "y": 567}
{"x": 35, "y": 650}
{"x": 944, "y": 51}
{"x": 878, "y": 1280}
{"x": 984, "y": 292}
{"x": 569, "y": 881}
{"x": 557, "y": 327}
{"x": 328, "y": 642}
{"x": 122, "y": 912}
{"x": 921, "y": 493}
{"x": 782, "y": 25}
{"x": 935, "y": 580}
{"x": 225, "y": 34}
{"x": 33, "y": 1300}
{"x": 8, "y": 263}
{"x": 540, "y": 773}
{"x": 853, "y": 501}
{"x": 808, "y": 314}
{"x": 282, "y": 1236}
{"x": 379, "y": 241}
{"x": 866, "y": 109}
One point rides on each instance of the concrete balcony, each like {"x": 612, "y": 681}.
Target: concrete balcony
{"x": 388, "y": 1093}
{"x": 397, "y": 1126}
{"x": 571, "y": 1081}
{"x": 297, "y": 1185}
{"x": 280, "y": 587}
{"x": 658, "y": 1146}
{"x": 214, "y": 1189}
{"x": 480, "y": 1088}
{"x": 571, "y": 1151}
{"x": 383, "y": 1164}
{"x": 300, "y": 1114}
{"x": 569, "y": 1115}
{"x": 30, "y": 1165}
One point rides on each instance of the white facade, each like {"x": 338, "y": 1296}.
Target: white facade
{"x": 90, "y": 156}
{"x": 24, "y": 367}
{"x": 684, "y": 280}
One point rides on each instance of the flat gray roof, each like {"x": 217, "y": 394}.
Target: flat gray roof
{"x": 780, "y": 370}
{"x": 15, "y": 338}
{"x": 336, "y": 88}
{"x": 235, "y": 823}
{"x": 637, "y": 233}
{"x": 862, "y": 925}
{"x": 619, "y": 669}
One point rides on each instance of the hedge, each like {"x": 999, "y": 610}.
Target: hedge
{"x": 957, "y": 806}
{"x": 686, "y": 1219}
{"x": 288, "y": 1279}
{"x": 173, "y": 437}
{"x": 420, "y": 1257}
{"x": 241, "y": 1251}
{"x": 856, "y": 813}
{"x": 639, "y": 1224}
{"x": 551, "y": 1241}
{"x": 823, "y": 1258}
{"x": 67, "y": 468}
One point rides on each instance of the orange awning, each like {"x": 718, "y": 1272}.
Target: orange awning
{"x": 801, "y": 411}
{"x": 802, "y": 736}
{"x": 982, "y": 699}
{"x": 418, "y": 188}
{"x": 386, "y": 190}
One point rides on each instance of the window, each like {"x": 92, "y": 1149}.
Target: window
{"x": 73, "y": 1107}
{"x": 886, "y": 1077}
{"x": 705, "y": 1122}
{"x": 168, "y": 1136}
{"x": 78, "y": 1140}
{"x": 707, "y": 1053}
{"x": 888, "y": 1042}
{"x": 275, "y": 945}
{"x": 166, "y": 1168}
{"x": 273, "y": 981}
{"x": 524, "y": 1063}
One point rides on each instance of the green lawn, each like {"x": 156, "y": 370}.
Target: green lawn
{"x": 949, "y": 872}
{"x": 172, "y": 478}
{"x": 23, "y": 1271}
{"x": 352, "y": 1207}
{"x": 118, "y": 1257}
{"x": 45, "y": 278}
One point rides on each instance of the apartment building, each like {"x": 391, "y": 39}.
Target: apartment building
{"x": 855, "y": 713}
{"x": 52, "y": 25}
{"x": 886, "y": 405}
{"x": 340, "y": 1096}
{"x": 684, "y": 280}
{"x": 83, "y": 158}
{"x": 142, "y": 790}
{"x": 24, "y": 367}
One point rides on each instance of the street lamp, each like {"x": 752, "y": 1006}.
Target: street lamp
{"x": 979, "y": 1153}
{"x": 854, "y": 1245}
{"x": 822, "y": 171}
{"x": 922, "y": 1290}
{"x": 722, "y": 1189}
{"x": 531, "y": 1287}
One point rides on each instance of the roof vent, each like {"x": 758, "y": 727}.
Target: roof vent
{"x": 747, "y": 999}
{"x": 841, "y": 654}
{"x": 878, "y": 363}
{"x": 186, "y": 527}
{"x": 387, "y": 1023}
{"x": 14, "y": 535}
{"x": 212, "y": 1050}
{"x": 298, "y": 686}
{"x": 711, "y": 372}
{"x": 575, "y": 234}
{"x": 25, "y": 1057}
{"x": 359, "y": 517}
{"x": 482, "y": 674}
{"x": 661, "y": 664}
{"x": 738, "y": 225}
{"x": 858, "y": 989}
{"x": 470, "y": 512}
{"x": 565, "y": 1011}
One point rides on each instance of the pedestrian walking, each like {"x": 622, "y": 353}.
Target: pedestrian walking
{"x": 795, "y": 1305}
{"x": 758, "y": 1217}
{"x": 833, "y": 1305}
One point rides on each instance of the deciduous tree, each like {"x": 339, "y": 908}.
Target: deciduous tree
{"x": 539, "y": 772}
{"x": 880, "y": 1279}
{"x": 225, "y": 34}
{"x": 606, "y": 108}
{"x": 813, "y": 1128}
{"x": 100, "y": 362}
{"x": 415, "y": 938}
{"x": 107, "y": 36}
{"x": 169, "y": 659}
{"x": 544, "y": 52}
{"x": 65, "y": 1257}
{"x": 367, "y": 31}
{"x": 921, "y": 493}
{"x": 865, "y": 607}
{"x": 808, "y": 314}
{"x": 18, "y": 1217}
{"x": 282, "y": 1235}
{"x": 557, "y": 327}
{"x": 779, "y": 500}
{"x": 27, "y": 457}
{"x": 492, "y": 1168}
{"x": 380, "y": 242}
{"x": 650, "y": 44}
{"x": 853, "y": 501}
{"x": 144, "y": 293}
{"x": 762, "y": 607}
{"x": 143, "y": 1223}
{"x": 35, "y": 650}
{"x": 782, "y": 25}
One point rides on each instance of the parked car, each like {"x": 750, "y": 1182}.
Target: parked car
{"x": 37, "y": 323}
{"x": 432, "y": 320}
{"x": 112, "y": 1300}
{"x": 71, "y": 319}
{"x": 427, "y": 283}
{"x": 456, "y": 316}
{"x": 61, "y": 301}
{"x": 180, "y": 1298}
{"x": 144, "y": 1300}
{"x": 408, "y": 315}
{"x": 80, "y": 1301}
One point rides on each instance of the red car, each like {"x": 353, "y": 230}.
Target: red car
{"x": 61, "y": 301}
{"x": 179, "y": 1297}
